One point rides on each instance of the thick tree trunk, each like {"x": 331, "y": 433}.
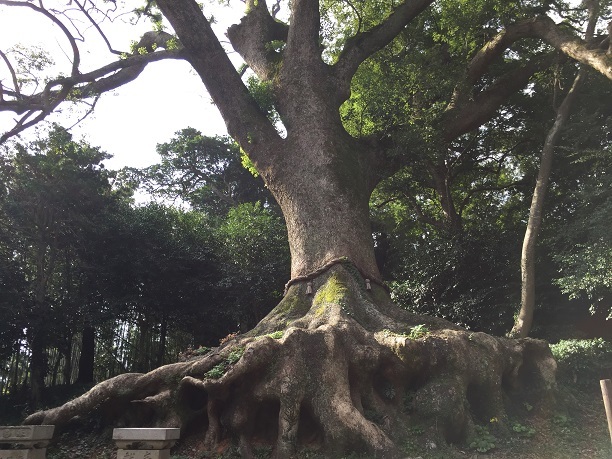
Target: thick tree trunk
{"x": 324, "y": 200}
{"x": 336, "y": 366}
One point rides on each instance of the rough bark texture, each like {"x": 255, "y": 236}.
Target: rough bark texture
{"x": 337, "y": 370}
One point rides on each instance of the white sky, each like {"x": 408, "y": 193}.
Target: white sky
{"x": 129, "y": 122}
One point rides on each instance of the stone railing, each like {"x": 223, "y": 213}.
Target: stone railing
{"x": 25, "y": 442}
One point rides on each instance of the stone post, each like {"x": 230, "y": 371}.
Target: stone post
{"x": 25, "y": 442}
{"x": 145, "y": 443}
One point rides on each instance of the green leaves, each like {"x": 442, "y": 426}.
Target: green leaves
{"x": 255, "y": 252}
{"x": 206, "y": 172}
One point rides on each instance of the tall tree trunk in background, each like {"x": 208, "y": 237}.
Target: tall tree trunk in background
{"x": 38, "y": 367}
{"x": 524, "y": 321}
{"x": 15, "y": 377}
{"x": 57, "y": 358}
{"x": 67, "y": 353}
{"x": 86, "y": 360}
{"x": 38, "y": 332}
{"x": 163, "y": 335}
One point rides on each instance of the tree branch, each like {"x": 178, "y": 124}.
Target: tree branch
{"x": 467, "y": 113}
{"x": 544, "y": 28}
{"x": 361, "y": 46}
{"x": 303, "y": 34}
{"x": 12, "y": 72}
{"x": 421, "y": 216}
{"x": 97, "y": 27}
{"x": 82, "y": 86}
{"x": 244, "y": 119}
{"x": 253, "y": 36}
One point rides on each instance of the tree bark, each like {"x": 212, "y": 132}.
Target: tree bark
{"x": 325, "y": 204}
{"x": 524, "y": 320}
{"x": 38, "y": 368}
{"x": 86, "y": 360}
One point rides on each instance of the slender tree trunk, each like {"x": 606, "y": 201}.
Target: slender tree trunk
{"x": 524, "y": 321}
{"x": 15, "y": 378}
{"x": 67, "y": 368}
{"x": 38, "y": 368}
{"x": 86, "y": 360}
{"x": 162, "y": 341}
{"x": 57, "y": 358}
{"x": 441, "y": 180}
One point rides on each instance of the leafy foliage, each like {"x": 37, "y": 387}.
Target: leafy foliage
{"x": 583, "y": 361}
{"x": 206, "y": 172}
{"x": 483, "y": 440}
{"x": 253, "y": 244}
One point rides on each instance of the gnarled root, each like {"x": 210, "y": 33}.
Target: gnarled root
{"x": 350, "y": 372}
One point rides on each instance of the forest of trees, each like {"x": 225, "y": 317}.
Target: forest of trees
{"x": 94, "y": 285}
{"x": 433, "y": 166}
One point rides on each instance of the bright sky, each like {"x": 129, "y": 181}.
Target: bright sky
{"x": 132, "y": 120}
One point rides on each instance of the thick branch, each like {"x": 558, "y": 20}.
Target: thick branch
{"x": 121, "y": 72}
{"x": 545, "y": 28}
{"x": 243, "y": 117}
{"x": 466, "y": 114}
{"x": 253, "y": 36}
{"x": 303, "y": 36}
{"x": 363, "y": 45}
{"x": 541, "y": 27}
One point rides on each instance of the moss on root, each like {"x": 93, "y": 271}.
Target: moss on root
{"x": 329, "y": 373}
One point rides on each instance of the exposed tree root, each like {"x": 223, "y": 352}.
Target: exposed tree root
{"x": 342, "y": 369}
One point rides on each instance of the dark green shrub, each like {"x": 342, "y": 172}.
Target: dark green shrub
{"x": 583, "y": 361}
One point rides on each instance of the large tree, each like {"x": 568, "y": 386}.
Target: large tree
{"x": 335, "y": 365}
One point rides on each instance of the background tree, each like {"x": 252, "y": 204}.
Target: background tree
{"x": 54, "y": 190}
{"x": 252, "y": 243}
{"x": 206, "y": 172}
